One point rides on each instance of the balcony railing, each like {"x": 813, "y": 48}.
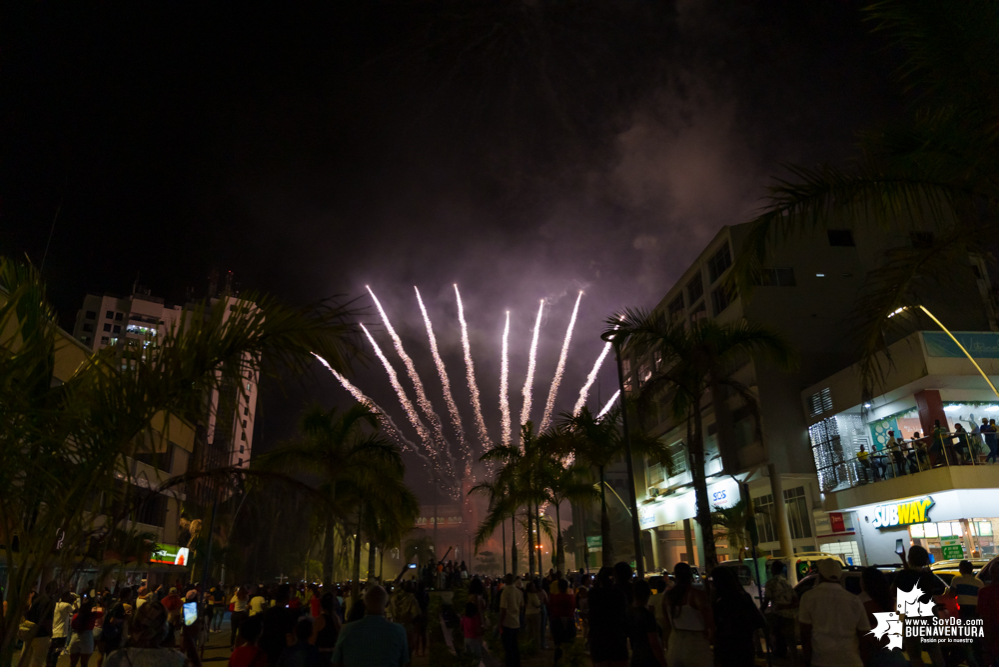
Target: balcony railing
{"x": 911, "y": 457}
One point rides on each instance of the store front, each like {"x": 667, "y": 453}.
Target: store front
{"x": 958, "y": 523}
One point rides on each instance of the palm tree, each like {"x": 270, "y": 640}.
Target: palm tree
{"x": 341, "y": 448}
{"x": 562, "y": 483}
{"x": 392, "y": 509}
{"x": 501, "y": 507}
{"x": 419, "y": 548}
{"x": 695, "y": 361}
{"x": 934, "y": 165}
{"x": 73, "y": 421}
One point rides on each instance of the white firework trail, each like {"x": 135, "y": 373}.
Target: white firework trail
{"x": 446, "y": 384}
{"x": 610, "y": 404}
{"x": 591, "y": 378}
{"x": 407, "y": 405}
{"x": 383, "y": 417}
{"x": 473, "y": 387}
{"x": 532, "y": 362}
{"x": 560, "y": 368}
{"x": 421, "y": 395}
{"x": 505, "y": 382}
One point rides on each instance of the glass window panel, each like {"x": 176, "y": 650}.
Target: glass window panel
{"x": 916, "y": 530}
{"x": 955, "y": 528}
{"x": 944, "y": 529}
{"x": 931, "y": 530}
{"x": 985, "y": 528}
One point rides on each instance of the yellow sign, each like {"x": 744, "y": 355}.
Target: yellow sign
{"x": 902, "y": 514}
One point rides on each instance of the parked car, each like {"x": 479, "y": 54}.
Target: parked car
{"x": 850, "y": 581}
{"x": 805, "y": 562}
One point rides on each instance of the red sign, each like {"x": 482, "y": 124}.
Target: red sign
{"x": 836, "y": 521}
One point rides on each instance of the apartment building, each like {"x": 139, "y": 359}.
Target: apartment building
{"x": 808, "y": 294}
{"x": 132, "y": 325}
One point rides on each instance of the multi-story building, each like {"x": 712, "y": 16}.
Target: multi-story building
{"x": 132, "y": 326}
{"x": 808, "y": 294}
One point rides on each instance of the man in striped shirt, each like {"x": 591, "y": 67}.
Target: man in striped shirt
{"x": 966, "y": 586}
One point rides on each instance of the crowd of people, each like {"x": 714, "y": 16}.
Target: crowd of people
{"x": 665, "y": 621}
{"x": 899, "y": 456}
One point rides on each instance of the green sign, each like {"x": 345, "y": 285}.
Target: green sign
{"x": 594, "y": 542}
{"x": 951, "y": 548}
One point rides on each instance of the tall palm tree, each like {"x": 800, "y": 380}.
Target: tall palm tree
{"x": 392, "y": 509}
{"x": 341, "y": 448}
{"x": 934, "y": 165}
{"x": 501, "y": 507}
{"x": 695, "y": 361}
{"x": 562, "y": 483}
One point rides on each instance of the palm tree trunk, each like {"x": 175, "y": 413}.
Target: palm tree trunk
{"x": 381, "y": 565}
{"x": 701, "y": 490}
{"x": 530, "y": 540}
{"x": 606, "y": 550}
{"x": 513, "y": 542}
{"x": 541, "y": 552}
{"x": 355, "y": 583}
{"x": 371, "y": 558}
{"x": 329, "y": 554}
{"x": 503, "y": 535}
{"x": 559, "y": 558}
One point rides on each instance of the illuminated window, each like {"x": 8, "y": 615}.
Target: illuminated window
{"x": 985, "y": 528}
{"x": 944, "y": 529}
{"x": 931, "y": 530}
{"x": 916, "y": 531}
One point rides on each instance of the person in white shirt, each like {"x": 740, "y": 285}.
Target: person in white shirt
{"x": 832, "y": 621}
{"x": 511, "y": 603}
{"x": 60, "y": 626}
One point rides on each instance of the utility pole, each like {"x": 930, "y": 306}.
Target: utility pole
{"x": 636, "y": 529}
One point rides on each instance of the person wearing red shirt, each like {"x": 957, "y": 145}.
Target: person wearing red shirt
{"x": 561, "y": 612}
{"x": 315, "y": 608}
{"x": 249, "y": 654}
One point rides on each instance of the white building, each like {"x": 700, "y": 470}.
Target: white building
{"x": 132, "y": 325}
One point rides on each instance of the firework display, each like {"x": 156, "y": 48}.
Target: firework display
{"x": 532, "y": 363}
{"x": 546, "y": 420}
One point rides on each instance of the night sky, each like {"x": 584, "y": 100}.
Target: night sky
{"x": 521, "y": 149}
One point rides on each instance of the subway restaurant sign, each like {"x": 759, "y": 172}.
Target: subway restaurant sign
{"x": 903, "y": 513}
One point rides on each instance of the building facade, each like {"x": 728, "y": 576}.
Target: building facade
{"x": 807, "y": 294}
{"x": 131, "y": 326}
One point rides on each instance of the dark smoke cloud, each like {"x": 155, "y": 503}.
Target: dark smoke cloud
{"x": 524, "y": 150}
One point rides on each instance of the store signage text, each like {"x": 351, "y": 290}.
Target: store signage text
{"x": 901, "y": 514}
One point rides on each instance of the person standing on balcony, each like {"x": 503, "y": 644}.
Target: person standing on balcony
{"x": 988, "y": 431}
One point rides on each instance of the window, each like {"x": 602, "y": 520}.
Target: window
{"x": 244, "y": 423}
{"x": 104, "y": 340}
{"x": 695, "y": 288}
{"x": 797, "y": 512}
{"x": 777, "y": 278}
{"x": 91, "y": 315}
{"x": 675, "y": 307}
{"x": 719, "y": 262}
{"x": 840, "y": 237}
{"x": 242, "y": 436}
{"x": 921, "y": 240}
{"x": 117, "y": 328}
{"x": 88, "y": 327}
{"x": 109, "y": 314}
{"x": 721, "y": 297}
{"x": 239, "y": 462}
{"x": 117, "y": 317}
{"x": 699, "y": 313}
{"x": 107, "y": 326}
{"x": 246, "y": 410}
{"x": 820, "y": 402}
{"x": 241, "y": 448}
{"x": 655, "y": 473}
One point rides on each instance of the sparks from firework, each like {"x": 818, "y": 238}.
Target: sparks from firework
{"x": 473, "y": 387}
{"x": 505, "y": 382}
{"x": 383, "y": 417}
{"x": 592, "y": 377}
{"x": 560, "y": 368}
{"x": 406, "y": 404}
{"x": 610, "y": 404}
{"x": 426, "y": 407}
{"x": 445, "y": 383}
{"x": 532, "y": 362}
